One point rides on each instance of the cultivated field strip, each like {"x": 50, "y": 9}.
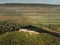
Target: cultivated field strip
{"x": 35, "y": 13}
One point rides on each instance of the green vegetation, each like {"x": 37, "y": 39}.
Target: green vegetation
{"x": 21, "y": 38}
{"x": 8, "y": 26}
{"x": 11, "y": 36}
{"x": 54, "y": 27}
{"x": 15, "y": 16}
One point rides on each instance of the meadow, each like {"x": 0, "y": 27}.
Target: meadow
{"x": 34, "y": 16}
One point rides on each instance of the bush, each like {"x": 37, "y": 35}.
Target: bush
{"x": 53, "y": 27}
{"x": 7, "y": 26}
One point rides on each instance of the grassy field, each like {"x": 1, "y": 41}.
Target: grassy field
{"x": 15, "y": 16}
{"x": 31, "y": 13}
{"x": 46, "y": 14}
{"x": 22, "y": 38}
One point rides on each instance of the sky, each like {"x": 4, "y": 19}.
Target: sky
{"x": 31, "y": 1}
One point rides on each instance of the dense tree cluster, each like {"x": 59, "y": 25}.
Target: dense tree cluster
{"x": 7, "y": 26}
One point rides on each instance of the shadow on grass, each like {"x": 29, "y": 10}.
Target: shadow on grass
{"x": 40, "y": 30}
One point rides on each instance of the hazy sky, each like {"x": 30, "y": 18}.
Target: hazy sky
{"x": 31, "y": 1}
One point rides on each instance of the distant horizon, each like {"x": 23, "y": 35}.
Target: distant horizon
{"x": 31, "y": 3}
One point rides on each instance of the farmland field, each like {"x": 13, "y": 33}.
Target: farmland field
{"x": 42, "y": 18}
{"x": 46, "y": 14}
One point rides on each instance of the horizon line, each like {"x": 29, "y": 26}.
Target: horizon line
{"x": 31, "y": 3}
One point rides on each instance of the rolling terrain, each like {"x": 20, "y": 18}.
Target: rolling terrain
{"x": 46, "y": 14}
{"x": 43, "y": 19}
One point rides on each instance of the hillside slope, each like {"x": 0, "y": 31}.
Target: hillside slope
{"x": 23, "y": 38}
{"x": 32, "y": 14}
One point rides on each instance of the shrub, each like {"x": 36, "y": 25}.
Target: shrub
{"x": 6, "y": 26}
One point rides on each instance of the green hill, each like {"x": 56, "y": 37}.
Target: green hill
{"x": 36, "y": 17}
{"x": 22, "y": 38}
